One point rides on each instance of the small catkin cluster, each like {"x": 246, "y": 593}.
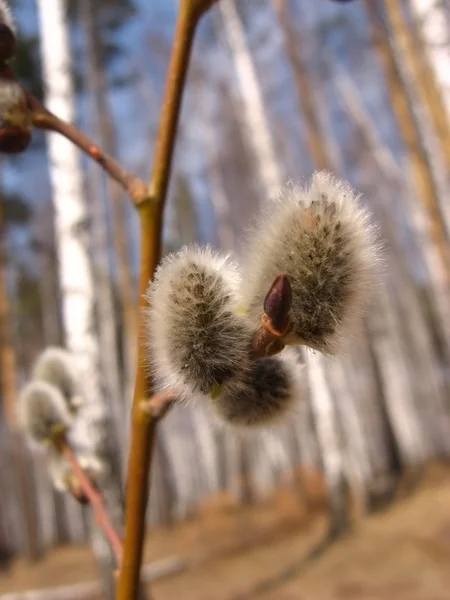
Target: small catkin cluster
{"x": 48, "y": 406}
{"x": 319, "y": 237}
{"x": 43, "y": 410}
{"x": 49, "y": 402}
{"x": 197, "y": 338}
{"x": 56, "y": 367}
{"x": 203, "y": 315}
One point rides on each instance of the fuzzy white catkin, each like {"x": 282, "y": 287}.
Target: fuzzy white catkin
{"x": 196, "y": 338}
{"x": 56, "y": 366}
{"x": 264, "y": 394}
{"x": 321, "y": 238}
{"x": 42, "y": 408}
{"x": 6, "y": 16}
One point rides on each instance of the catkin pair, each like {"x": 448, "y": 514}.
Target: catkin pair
{"x": 48, "y": 405}
{"x": 51, "y": 399}
{"x": 203, "y": 314}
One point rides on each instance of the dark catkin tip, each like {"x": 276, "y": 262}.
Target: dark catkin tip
{"x": 196, "y": 338}
{"x": 263, "y": 394}
{"x": 321, "y": 239}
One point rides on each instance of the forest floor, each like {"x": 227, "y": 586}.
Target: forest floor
{"x": 261, "y": 553}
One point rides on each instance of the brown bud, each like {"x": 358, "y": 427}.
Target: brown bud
{"x": 14, "y": 140}
{"x": 277, "y": 303}
{"x": 8, "y": 45}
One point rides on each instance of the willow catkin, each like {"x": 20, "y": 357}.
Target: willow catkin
{"x": 321, "y": 238}
{"x": 196, "y": 339}
{"x": 56, "y": 366}
{"x": 263, "y": 394}
{"x": 42, "y": 410}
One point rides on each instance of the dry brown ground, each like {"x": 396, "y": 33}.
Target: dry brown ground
{"x": 400, "y": 554}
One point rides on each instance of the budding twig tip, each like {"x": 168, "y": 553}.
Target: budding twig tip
{"x": 277, "y": 304}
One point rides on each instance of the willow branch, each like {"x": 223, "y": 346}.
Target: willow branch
{"x": 151, "y": 214}
{"x": 44, "y": 119}
{"x": 95, "y": 500}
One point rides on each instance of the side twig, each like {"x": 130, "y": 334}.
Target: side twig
{"x": 151, "y": 214}
{"x": 95, "y": 500}
{"x": 44, "y": 119}
{"x": 159, "y": 404}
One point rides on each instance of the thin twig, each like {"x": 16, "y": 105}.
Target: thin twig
{"x": 159, "y": 404}
{"x": 95, "y": 500}
{"x": 151, "y": 213}
{"x": 44, "y": 119}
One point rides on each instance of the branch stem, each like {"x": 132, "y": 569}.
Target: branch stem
{"x": 151, "y": 215}
{"x": 44, "y": 119}
{"x": 95, "y": 500}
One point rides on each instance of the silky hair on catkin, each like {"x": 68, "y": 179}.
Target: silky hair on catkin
{"x": 263, "y": 394}
{"x": 322, "y": 239}
{"x": 56, "y": 366}
{"x": 42, "y": 410}
{"x": 196, "y": 336}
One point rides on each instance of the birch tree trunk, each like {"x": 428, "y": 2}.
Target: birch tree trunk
{"x": 420, "y": 166}
{"x": 416, "y": 62}
{"x": 414, "y": 212}
{"x": 256, "y": 124}
{"x": 294, "y": 47}
{"x": 252, "y": 101}
{"x": 422, "y": 363}
{"x": 432, "y": 22}
{"x": 119, "y": 209}
{"x": 76, "y": 281}
{"x": 103, "y": 271}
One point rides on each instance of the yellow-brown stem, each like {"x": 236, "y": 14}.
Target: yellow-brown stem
{"x": 151, "y": 213}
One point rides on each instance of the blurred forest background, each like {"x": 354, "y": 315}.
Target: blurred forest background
{"x": 277, "y": 88}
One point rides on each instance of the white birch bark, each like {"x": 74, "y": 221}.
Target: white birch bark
{"x": 70, "y": 211}
{"x": 251, "y": 97}
{"x": 102, "y": 262}
{"x": 414, "y": 212}
{"x": 424, "y": 373}
{"x": 76, "y": 281}
{"x": 219, "y": 200}
{"x": 432, "y": 23}
{"x": 329, "y": 441}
